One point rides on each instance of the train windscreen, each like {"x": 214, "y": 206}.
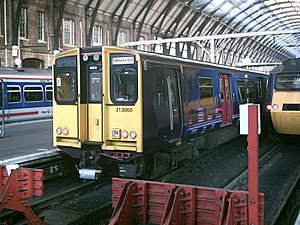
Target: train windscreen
{"x": 123, "y": 79}
{"x": 288, "y": 81}
{"x": 65, "y": 78}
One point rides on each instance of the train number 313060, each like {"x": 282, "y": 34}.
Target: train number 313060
{"x": 119, "y": 109}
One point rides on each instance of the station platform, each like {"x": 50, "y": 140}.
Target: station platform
{"x": 26, "y": 141}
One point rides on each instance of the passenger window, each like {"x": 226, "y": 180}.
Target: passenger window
{"x": 1, "y": 96}
{"x": 33, "y": 93}
{"x": 252, "y": 90}
{"x": 66, "y": 86}
{"x": 160, "y": 85}
{"x": 13, "y": 94}
{"x": 242, "y": 90}
{"x": 206, "y": 91}
{"x": 48, "y": 93}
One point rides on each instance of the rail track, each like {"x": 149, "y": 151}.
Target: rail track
{"x": 69, "y": 201}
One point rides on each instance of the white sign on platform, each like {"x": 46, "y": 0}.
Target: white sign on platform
{"x": 244, "y": 118}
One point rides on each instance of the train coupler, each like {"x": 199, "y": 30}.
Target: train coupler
{"x": 89, "y": 174}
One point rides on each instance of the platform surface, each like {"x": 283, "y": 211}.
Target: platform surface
{"x": 26, "y": 138}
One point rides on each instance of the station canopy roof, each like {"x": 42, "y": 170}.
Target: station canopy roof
{"x": 190, "y": 18}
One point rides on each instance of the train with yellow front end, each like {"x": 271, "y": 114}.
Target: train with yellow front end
{"x": 144, "y": 112}
{"x": 283, "y": 97}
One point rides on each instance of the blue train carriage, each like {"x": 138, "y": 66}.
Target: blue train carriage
{"x": 283, "y": 98}
{"x": 25, "y": 94}
{"x": 123, "y": 105}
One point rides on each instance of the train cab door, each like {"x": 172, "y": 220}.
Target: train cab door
{"x": 94, "y": 103}
{"x": 2, "y": 110}
{"x": 174, "y": 107}
{"x": 226, "y": 100}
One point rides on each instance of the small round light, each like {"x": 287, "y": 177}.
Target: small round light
{"x": 115, "y": 134}
{"x": 65, "y": 131}
{"x": 275, "y": 107}
{"x": 269, "y": 107}
{"x": 96, "y": 57}
{"x": 58, "y": 131}
{"x": 132, "y": 134}
{"x": 124, "y": 134}
{"x": 85, "y": 58}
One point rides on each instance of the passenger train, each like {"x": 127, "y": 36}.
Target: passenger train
{"x": 25, "y": 94}
{"x": 123, "y": 105}
{"x": 283, "y": 98}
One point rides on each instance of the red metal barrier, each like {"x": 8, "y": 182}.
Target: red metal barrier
{"x": 20, "y": 185}
{"x": 253, "y": 178}
{"x": 145, "y": 202}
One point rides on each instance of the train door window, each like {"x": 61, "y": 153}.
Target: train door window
{"x": 33, "y": 93}
{"x": 242, "y": 90}
{"x": 95, "y": 83}
{"x": 260, "y": 88}
{"x": 160, "y": 85}
{"x": 206, "y": 91}
{"x": 13, "y": 94}
{"x": 252, "y": 90}
{"x": 48, "y": 93}
{"x": 221, "y": 89}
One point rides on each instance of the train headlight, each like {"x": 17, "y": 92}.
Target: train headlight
{"x": 275, "y": 107}
{"x": 58, "y": 131}
{"x": 65, "y": 131}
{"x": 116, "y": 134}
{"x": 132, "y": 134}
{"x": 124, "y": 134}
{"x": 269, "y": 107}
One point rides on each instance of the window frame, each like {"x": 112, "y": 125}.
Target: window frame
{"x": 121, "y": 39}
{"x": 8, "y": 91}
{"x": 134, "y": 67}
{"x": 42, "y": 25}
{"x": 71, "y": 27}
{"x": 23, "y": 24}
{"x": 64, "y": 70}
{"x": 212, "y": 87}
{"x": 45, "y": 97}
{"x": 100, "y": 35}
{"x": 33, "y": 85}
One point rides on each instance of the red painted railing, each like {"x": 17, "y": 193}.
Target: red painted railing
{"x": 20, "y": 185}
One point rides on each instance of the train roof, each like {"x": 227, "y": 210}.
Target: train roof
{"x": 291, "y": 65}
{"x": 158, "y": 56}
{"x": 10, "y": 72}
{"x": 208, "y": 65}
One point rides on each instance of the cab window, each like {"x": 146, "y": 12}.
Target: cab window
{"x": 65, "y": 86}
{"x": 65, "y": 78}
{"x": 123, "y": 79}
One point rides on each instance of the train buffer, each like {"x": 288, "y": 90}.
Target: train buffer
{"x": 18, "y": 185}
{"x": 148, "y": 202}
